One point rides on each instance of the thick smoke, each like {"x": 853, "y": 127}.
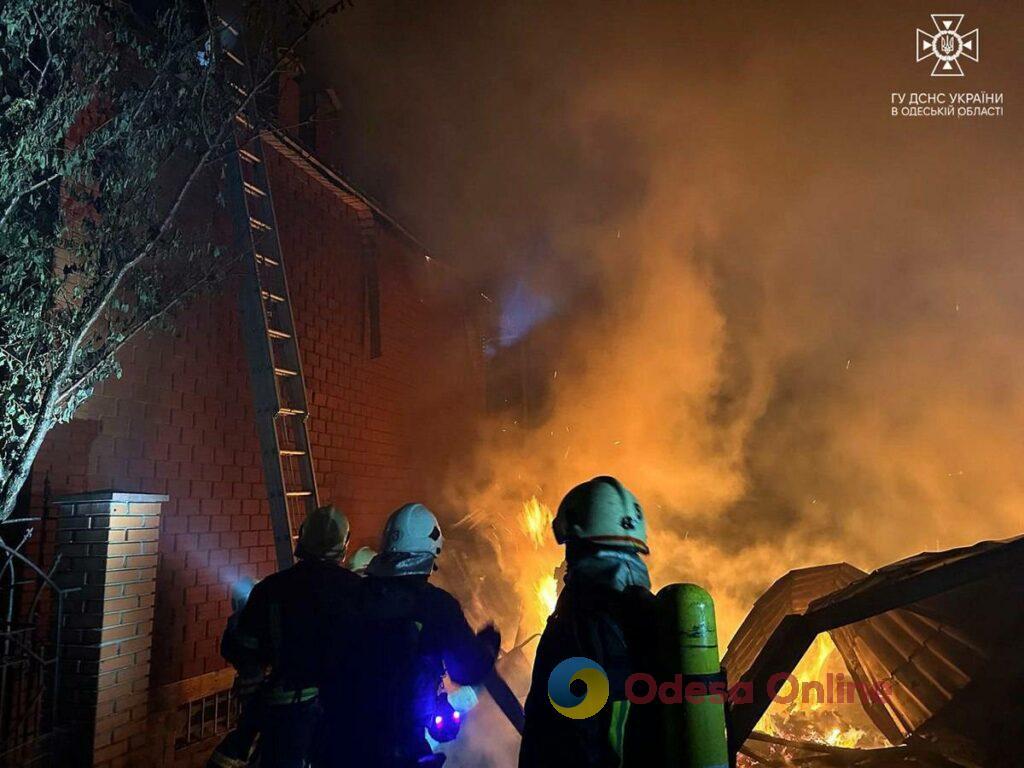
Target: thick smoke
{"x": 789, "y": 321}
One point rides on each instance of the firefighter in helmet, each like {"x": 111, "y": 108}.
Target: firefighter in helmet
{"x": 386, "y": 692}
{"x": 281, "y": 631}
{"x": 604, "y": 613}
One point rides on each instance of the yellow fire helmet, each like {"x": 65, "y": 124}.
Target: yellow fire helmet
{"x": 602, "y": 511}
{"x": 323, "y": 535}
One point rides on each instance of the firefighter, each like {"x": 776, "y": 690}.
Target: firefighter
{"x": 282, "y": 630}
{"x": 233, "y": 751}
{"x": 386, "y": 688}
{"x": 605, "y": 613}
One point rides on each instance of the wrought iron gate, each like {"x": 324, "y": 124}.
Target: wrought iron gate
{"x": 31, "y": 612}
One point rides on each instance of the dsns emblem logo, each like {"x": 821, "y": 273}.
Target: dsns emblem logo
{"x": 947, "y": 45}
{"x": 590, "y": 674}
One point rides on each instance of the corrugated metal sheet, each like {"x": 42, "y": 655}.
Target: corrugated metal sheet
{"x": 943, "y": 629}
{"x": 792, "y": 594}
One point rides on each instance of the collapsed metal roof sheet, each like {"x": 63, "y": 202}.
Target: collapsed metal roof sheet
{"x": 765, "y": 750}
{"x": 942, "y": 628}
{"x": 792, "y": 594}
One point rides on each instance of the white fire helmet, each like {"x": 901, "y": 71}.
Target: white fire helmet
{"x": 602, "y": 511}
{"x": 412, "y": 529}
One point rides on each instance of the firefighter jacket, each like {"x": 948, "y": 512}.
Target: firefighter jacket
{"x": 284, "y": 626}
{"x": 384, "y": 688}
{"x": 614, "y": 627}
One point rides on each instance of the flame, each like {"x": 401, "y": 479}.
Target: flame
{"x": 844, "y": 737}
{"x": 535, "y": 563}
{"x": 547, "y": 594}
{"x": 813, "y": 663}
{"x": 536, "y": 522}
{"x": 813, "y": 721}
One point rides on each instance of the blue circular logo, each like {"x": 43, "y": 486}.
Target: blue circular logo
{"x": 578, "y": 707}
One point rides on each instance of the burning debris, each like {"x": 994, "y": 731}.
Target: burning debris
{"x": 522, "y": 546}
{"x": 826, "y": 712}
{"x": 766, "y": 751}
{"x": 939, "y": 630}
{"x": 932, "y": 635}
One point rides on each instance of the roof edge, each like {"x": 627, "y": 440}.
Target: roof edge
{"x": 312, "y": 162}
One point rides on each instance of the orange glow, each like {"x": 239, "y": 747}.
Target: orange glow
{"x": 813, "y": 663}
{"x": 547, "y": 594}
{"x": 815, "y": 720}
{"x": 536, "y": 522}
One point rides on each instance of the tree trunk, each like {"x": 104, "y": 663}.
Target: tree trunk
{"x": 18, "y": 474}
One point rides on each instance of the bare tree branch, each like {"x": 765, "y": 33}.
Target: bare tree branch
{"x": 24, "y": 193}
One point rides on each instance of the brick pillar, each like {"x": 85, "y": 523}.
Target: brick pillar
{"x": 107, "y": 542}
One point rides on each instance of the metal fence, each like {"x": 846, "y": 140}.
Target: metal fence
{"x": 31, "y": 612}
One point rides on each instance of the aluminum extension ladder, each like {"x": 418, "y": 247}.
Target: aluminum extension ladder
{"x": 268, "y": 327}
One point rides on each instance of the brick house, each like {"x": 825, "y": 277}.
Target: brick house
{"x": 180, "y": 424}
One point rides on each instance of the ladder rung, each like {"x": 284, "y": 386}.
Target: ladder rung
{"x": 242, "y": 120}
{"x": 248, "y": 156}
{"x": 258, "y": 225}
{"x": 252, "y": 189}
{"x": 297, "y": 494}
{"x": 267, "y": 260}
{"x": 290, "y": 452}
{"x": 232, "y": 56}
{"x": 285, "y": 372}
{"x": 276, "y": 334}
{"x": 272, "y": 296}
{"x": 283, "y": 411}
{"x": 238, "y": 88}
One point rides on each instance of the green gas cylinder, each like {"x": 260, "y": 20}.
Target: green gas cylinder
{"x": 694, "y": 730}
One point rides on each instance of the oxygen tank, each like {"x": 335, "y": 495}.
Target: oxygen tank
{"x": 694, "y": 731}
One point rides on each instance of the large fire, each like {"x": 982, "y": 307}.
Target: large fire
{"x": 810, "y": 718}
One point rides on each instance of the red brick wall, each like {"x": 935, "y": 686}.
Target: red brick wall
{"x": 180, "y": 421}
{"x": 374, "y": 422}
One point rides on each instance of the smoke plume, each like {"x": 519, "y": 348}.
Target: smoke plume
{"x": 789, "y": 321}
